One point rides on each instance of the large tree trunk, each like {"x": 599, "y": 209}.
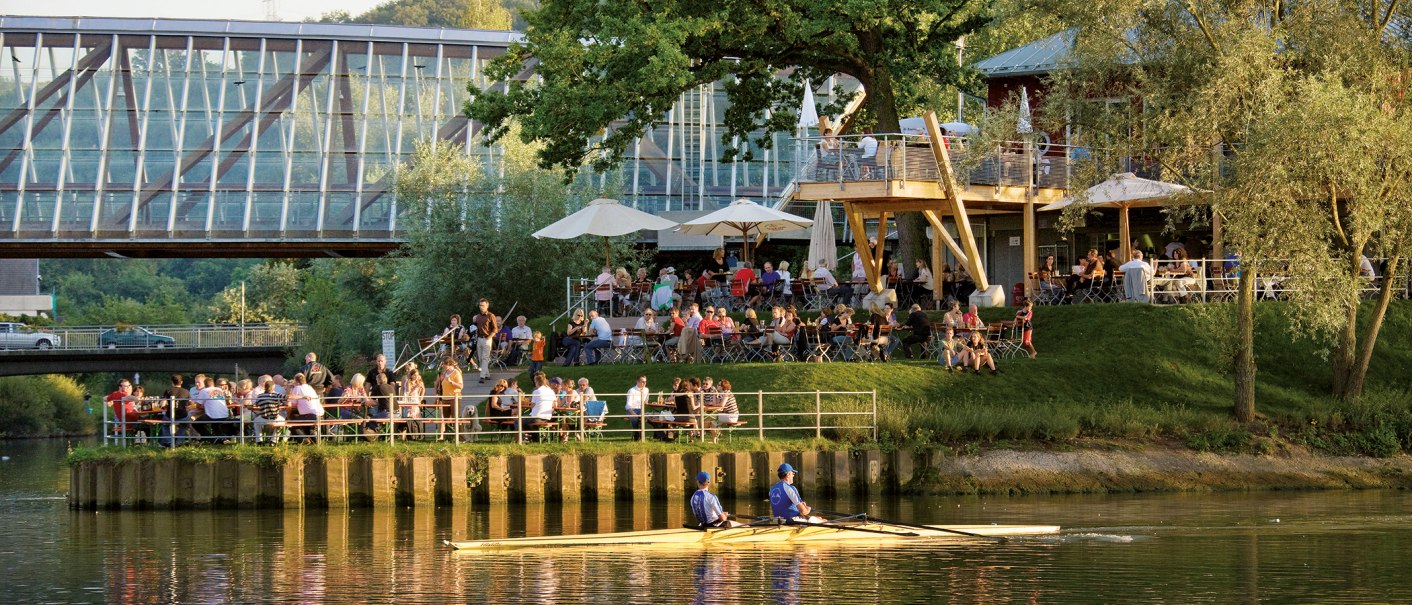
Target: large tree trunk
{"x": 912, "y": 241}
{"x": 1347, "y": 343}
{"x": 1244, "y": 359}
{"x": 1358, "y": 372}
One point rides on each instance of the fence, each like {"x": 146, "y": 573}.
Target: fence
{"x": 1210, "y": 280}
{"x": 907, "y": 157}
{"x": 184, "y": 336}
{"x": 844, "y": 415}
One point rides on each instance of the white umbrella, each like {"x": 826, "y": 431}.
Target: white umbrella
{"x": 744, "y": 218}
{"x": 808, "y": 112}
{"x": 1023, "y": 125}
{"x": 606, "y": 218}
{"x": 1123, "y": 190}
{"x": 822, "y": 244}
{"x": 959, "y": 129}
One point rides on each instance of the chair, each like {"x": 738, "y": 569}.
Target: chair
{"x": 816, "y": 347}
{"x": 593, "y": 421}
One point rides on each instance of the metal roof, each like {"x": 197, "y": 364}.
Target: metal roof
{"x": 1040, "y": 56}
{"x": 259, "y": 29}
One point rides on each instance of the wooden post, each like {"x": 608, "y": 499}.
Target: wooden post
{"x": 1030, "y": 246}
{"x": 860, "y": 243}
{"x": 1124, "y": 235}
{"x": 958, "y": 208}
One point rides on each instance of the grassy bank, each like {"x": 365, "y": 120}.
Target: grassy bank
{"x": 1131, "y": 372}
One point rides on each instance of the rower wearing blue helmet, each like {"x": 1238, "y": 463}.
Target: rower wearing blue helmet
{"x": 784, "y": 499}
{"x": 706, "y": 506}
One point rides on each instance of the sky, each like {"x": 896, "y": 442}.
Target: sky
{"x": 250, "y": 10}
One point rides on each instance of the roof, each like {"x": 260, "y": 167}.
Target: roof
{"x": 1041, "y": 56}
{"x": 260, "y": 29}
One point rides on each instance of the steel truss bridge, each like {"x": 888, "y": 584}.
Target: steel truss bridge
{"x": 181, "y": 138}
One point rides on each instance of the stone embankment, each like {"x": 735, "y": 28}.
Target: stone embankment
{"x": 475, "y": 480}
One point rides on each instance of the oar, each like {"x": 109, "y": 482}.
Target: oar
{"x": 926, "y": 527}
{"x": 858, "y": 529}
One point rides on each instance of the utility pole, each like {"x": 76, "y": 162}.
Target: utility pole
{"x": 242, "y": 313}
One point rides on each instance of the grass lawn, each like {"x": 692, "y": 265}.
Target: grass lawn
{"x": 1104, "y": 371}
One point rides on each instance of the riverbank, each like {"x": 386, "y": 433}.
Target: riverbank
{"x": 369, "y": 475}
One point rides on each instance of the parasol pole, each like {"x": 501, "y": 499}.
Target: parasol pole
{"x": 1124, "y": 234}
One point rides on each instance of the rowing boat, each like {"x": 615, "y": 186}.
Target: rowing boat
{"x": 865, "y": 531}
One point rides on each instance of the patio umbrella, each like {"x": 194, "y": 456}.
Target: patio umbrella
{"x": 606, "y": 218}
{"x": 808, "y": 111}
{"x": 744, "y": 218}
{"x": 959, "y": 129}
{"x": 1024, "y": 125}
{"x": 822, "y": 244}
{"x": 1123, "y": 191}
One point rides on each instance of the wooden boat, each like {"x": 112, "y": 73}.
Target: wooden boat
{"x": 851, "y": 531}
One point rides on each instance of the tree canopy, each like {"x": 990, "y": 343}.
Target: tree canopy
{"x": 468, "y": 14}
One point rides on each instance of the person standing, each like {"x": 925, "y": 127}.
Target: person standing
{"x": 1025, "y": 317}
{"x": 485, "y": 324}
{"x": 315, "y": 374}
{"x": 448, "y": 388}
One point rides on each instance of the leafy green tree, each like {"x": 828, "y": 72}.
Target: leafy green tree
{"x": 42, "y": 405}
{"x": 272, "y": 294}
{"x": 1289, "y": 113}
{"x": 607, "y": 71}
{"x": 466, "y": 14}
{"x": 473, "y": 240}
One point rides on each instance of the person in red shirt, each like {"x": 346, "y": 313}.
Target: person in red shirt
{"x": 123, "y": 404}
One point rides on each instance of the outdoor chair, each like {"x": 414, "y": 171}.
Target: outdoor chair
{"x": 593, "y": 421}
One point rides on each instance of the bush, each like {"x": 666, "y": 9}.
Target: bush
{"x": 43, "y": 405}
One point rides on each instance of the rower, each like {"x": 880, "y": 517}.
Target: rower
{"x": 785, "y": 502}
{"x": 706, "y": 506}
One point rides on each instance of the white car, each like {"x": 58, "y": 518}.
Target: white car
{"x": 19, "y": 336}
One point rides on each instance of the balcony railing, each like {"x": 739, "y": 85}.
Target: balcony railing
{"x": 908, "y": 157}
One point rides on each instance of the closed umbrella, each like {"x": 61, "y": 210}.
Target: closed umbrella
{"x": 823, "y": 247}
{"x": 1024, "y": 124}
{"x": 746, "y": 219}
{"x": 606, "y": 218}
{"x": 1123, "y": 191}
{"x": 808, "y": 111}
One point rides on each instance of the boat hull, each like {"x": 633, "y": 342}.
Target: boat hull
{"x": 763, "y": 534}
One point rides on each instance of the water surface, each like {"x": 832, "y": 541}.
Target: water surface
{"x": 1273, "y": 547}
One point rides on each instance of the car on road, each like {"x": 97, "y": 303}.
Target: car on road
{"x": 19, "y": 336}
{"x": 133, "y": 336}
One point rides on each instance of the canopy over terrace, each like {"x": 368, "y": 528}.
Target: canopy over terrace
{"x": 909, "y": 174}
{"x": 1124, "y": 191}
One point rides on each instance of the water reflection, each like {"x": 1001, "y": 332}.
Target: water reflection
{"x": 1325, "y": 547}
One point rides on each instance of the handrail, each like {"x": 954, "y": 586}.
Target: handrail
{"x": 182, "y": 336}
{"x": 464, "y": 422}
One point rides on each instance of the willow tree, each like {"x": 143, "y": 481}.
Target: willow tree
{"x": 608, "y": 71}
{"x": 1288, "y": 112}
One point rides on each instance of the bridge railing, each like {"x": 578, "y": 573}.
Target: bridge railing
{"x": 185, "y": 336}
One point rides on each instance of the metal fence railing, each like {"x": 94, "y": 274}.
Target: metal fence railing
{"x": 844, "y": 415}
{"x": 908, "y": 157}
{"x": 1209, "y": 280}
{"x": 184, "y": 336}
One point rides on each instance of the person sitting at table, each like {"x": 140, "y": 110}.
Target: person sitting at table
{"x": 954, "y": 318}
{"x": 354, "y": 401}
{"x": 307, "y": 406}
{"x": 586, "y": 395}
{"x": 825, "y": 282}
{"x": 951, "y": 352}
{"x": 786, "y": 280}
{"x": 675, "y": 325}
{"x": 743, "y": 282}
{"x": 577, "y": 329}
{"x": 921, "y": 330}
{"x": 725, "y": 322}
{"x": 878, "y": 344}
{"x": 269, "y": 413}
{"x": 1181, "y": 271}
{"x": 971, "y": 320}
{"x": 838, "y": 330}
{"x": 1137, "y": 272}
{"x": 543, "y": 399}
{"x": 602, "y": 332}
{"x": 1046, "y": 275}
{"x": 622, "y": 287}
{"x": 688, "y": 403}
{"x": 414, "y": 390}
{"x": 520, "y": 338}
{"x": 750, "y": 329}
{"x": 979, "y": 354}
{"x": 1025, "y": 318}
{"x": 964, "y": 284}
{"x": 498, "y": 404}
{"x": 769, "y": 285}
{"x": 638, "y": 397}
{"x": 729, "y": 412}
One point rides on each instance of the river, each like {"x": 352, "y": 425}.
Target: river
{"x": 1275, "y": 547}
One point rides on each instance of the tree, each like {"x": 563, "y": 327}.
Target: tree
{"x": 470, "y": 239}
{"x": 466, "y": 14}
{"x": 1285, "y": 112}
{"x": 607, "y": 71}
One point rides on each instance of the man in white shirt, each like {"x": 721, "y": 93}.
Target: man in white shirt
{"x": 602, "y": 337}
{"x": 1136, "y": 272}
{"x": 824, "y": 280}
{"x": 1365, "y": 267}
{"x": 693, "y": 317}
{"x": 638, "y": 396}
{"x": 520, "y": 335}
{"x": 868, "y": 144}
{"x": 213, "y": 408}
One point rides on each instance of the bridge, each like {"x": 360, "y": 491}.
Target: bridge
{"x": 182, "y": 138}
{"x": 255, "y": 349}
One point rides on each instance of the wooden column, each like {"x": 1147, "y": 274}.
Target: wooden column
{"x": 1124, "y": 235}
{"x": 1030, "y": 245}
{"x": 854, "y": 212}
{"x": 958, "y": 208}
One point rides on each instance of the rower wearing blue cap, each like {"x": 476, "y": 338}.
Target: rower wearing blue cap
{"x": 784, "y": 499}
{"x": 706, "y": 506}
